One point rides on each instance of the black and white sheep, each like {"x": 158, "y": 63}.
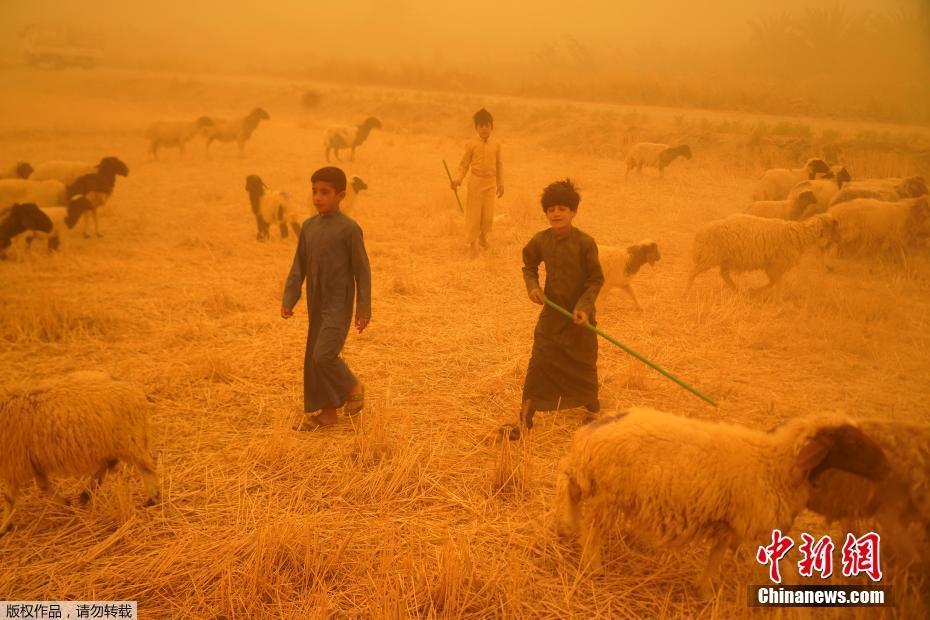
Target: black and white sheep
{"x": 867, "y": 224}
{"x": 743, "y": 242}
{"x": 63, "y": 220}
{"x": 655, "y": 155}
{"x": 19, "y": 170}
{"x": 355, "y": 186}
{"x": 174, "y": 134}
{"x": 68, "y": 171}
{"x": 271, "y": 207}
{"x": 81, "y": 424}
{"x": 824, "y": 190}
{"x": 882, "y": 189}
{"x": 237, "y": 130}
{"x": 348, "y": 137}
{"x": 621, "y": 264}
{"x": 673, "y": 480}
{"x": 776, "y": 183}
{"x": 788, "y": 209}
{"x": 42, "y": 193}
{"x": 20, "y": 219}
{"x": 97, "y": 187}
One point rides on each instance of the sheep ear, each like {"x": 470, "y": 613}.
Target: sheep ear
{"x": 843, "y": 447}
{"x": 812, "y": 454}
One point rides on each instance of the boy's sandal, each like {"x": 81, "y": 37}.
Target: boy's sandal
{"x": 313, "y": 422}
{"x": 355, "y": 402}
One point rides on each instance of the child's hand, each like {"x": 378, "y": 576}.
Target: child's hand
{"x": 537, "y": 297}
{"x": 361, "y": 323}
{"x": 500, "y": 191}
{"x": 286, "y": 313}
{"x": 580, "y": 317}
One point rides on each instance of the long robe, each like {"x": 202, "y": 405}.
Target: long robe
{"x": 483, "y": 159}
{"x": 562, "y": 372}
{"x": 331, "y": 257}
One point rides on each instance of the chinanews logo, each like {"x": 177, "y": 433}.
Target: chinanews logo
{"x": 860, "y": 557}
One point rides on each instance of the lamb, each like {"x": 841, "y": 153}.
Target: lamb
{"x": 355, "y": 185}
{"x": 237, "y": 130}
{"x": 789, "y": 209}
{"x": 82, "y": 424}
{"x": 867, "y": 224}
{"x": 654, "y": 155}
{"x": 882, "y": 189}
{"x": 900, "y": 499}
{"x": 676, "y": 480}
{"x": 336, "y": 138}
{"x": 63, "y": 219}
{"x": 97, "y": 187}
{"x": 175, "y": 134}
{"x": 743, "y": 242}
{"x": 42, "y": 193}
{"x": 621, "y": 264}
{"x": 19, "y": 170}
{"x": 824, "y": 190}
{"x": 271, "y": 206}
{"x": 777, "y": 182}
{"x": 19, "y": 219}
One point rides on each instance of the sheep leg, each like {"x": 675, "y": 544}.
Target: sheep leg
{"x": 352, "y": 154}
{"x": 96, "y": 229}
{"x": 591, "y": 544}
{"x": 774, "y": 277}
{"x": 328, "y": 149}
{"x": 46, "y": 486}
{"x": 9, "y": 507}
{"x": 143, "y": 462}
{"x": 96, "y": 481}
{"x": 725, "y": 274}
{"x": 629, "y": 291}
{"x": 283, "y": 228}
{"x": 717, "y": 552}
{"x": 336, "y": 153}
{"x": 295, "y": 227}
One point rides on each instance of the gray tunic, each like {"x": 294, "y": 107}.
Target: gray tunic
{"x": 331, "y": 257}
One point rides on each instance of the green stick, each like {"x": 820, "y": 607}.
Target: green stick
{"x": 612, "y": 340}
{"x": 455, "y": 191}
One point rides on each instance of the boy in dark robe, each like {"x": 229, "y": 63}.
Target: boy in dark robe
{"x": 562, "y": 372}
{"x": 331, "y": 257}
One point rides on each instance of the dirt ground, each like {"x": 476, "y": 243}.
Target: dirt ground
{"x": 414, "y": 511}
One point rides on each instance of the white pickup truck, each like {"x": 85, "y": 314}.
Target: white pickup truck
{"x": 52, "y": 47}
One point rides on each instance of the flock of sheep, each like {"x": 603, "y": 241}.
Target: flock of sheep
{"x": 738, "y": 483}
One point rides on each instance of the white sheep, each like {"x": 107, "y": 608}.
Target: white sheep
{"x": 621, "y": 264}
{"x": 271, "y": 207}
{"x": 788, "y": 209}
{"x": 775, "y": 183}
{"x": 824, "y": 190}
{"x": 674, "y": 480}
{"x": 237, "y": 130}
{"x": 743, "y": 242}
{"x": 174, "y": 134}
{"x": 655, "y": 155}
{"x": 900, "y": 499}
{"x": 42, "y": 193}
{"x": 61, "y": 170}
{"x": 97, "y": 186}
{"x": 19, "y": 219}
{"x": 353, "y": 188}
{"x": 348, "y": 137}
{"x": 882, "y": 189}
{"x": 81, "y": 424}
{"x": 19, "y": 170}
{"x": 867, "y": 224}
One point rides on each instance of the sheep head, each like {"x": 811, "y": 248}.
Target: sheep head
{"x": 259, "y": 114}
{"x": 645, "y": 251}
{"x": 826, "y": 229}
{"x": 203, "y": 122}
{"x": 254, "y": 185}
{"x": 918, "y": 218}
{"x": 802, "y": 201}
{"x": 817, "y": 166}
{"x": 842, "y": 176}
{"x": 371, "y": 123}
{"x": 23, "y": 170}
{"x": 358, "y": 184}
{"x": 844, "y": 447}
{"x": 911, "y": 187}
{"x": 112, "y": 166}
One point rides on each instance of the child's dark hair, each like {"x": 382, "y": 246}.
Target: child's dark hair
{"x": 483, "y": 117}
{"x": 561, "y": 193}
{"x": 332, "y": 175}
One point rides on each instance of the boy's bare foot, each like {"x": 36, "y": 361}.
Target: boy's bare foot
{"x": 326, "y": 417}
{"x": 356, "y": 401}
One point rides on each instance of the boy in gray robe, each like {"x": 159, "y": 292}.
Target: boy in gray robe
{"x": 331, "y": 257}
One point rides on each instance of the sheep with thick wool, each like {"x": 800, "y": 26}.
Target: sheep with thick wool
{"x": 348, "y": 137}
{"x": 42, "y": 193}
{"x": 899, "y": 500}
{"x": 868, "y": 225}
{"x": 237, "y": 130}
{"x": 271, "y": 207}
{"x": 68, "y": 171}
{"x": 776, "y": 183}
{"x": 19, "y": 170}
{"x": 620, "y": 265}
{"x": 824, "y": 191}
{"x": 743, "y": 242}
{"x": 788, "y": 209}
{"x": 81, "y": 424}
{"x": 175, "y": 134}
{"x": 654, "y": 155}
{"x": 673, "y": 480}
{"x": 883, "y": 189}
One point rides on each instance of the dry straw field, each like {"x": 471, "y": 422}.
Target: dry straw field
{"x": 415, "y": 510}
